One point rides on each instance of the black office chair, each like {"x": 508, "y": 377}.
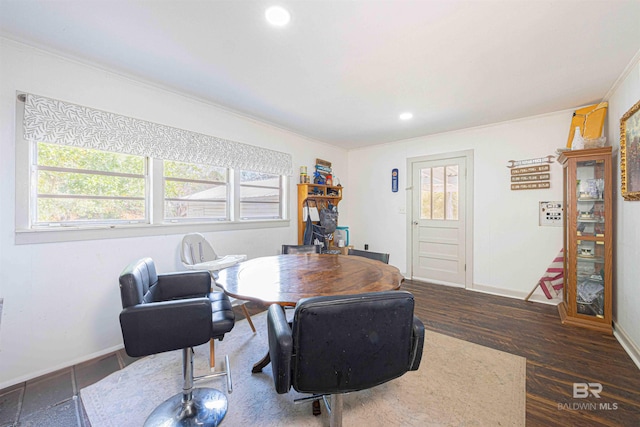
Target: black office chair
{"x": 371, "y": 255}
{"x": 342, "y": 344}
{"x": 165, "y": 312}
{"x": 301, "y": 249}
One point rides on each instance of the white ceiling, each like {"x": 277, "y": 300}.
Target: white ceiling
{"x": 342, "y": 71}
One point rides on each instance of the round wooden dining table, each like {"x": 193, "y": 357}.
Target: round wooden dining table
{"x": 286, "y": 279}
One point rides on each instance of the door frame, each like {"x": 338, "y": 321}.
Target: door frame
{"x": 468, "y": 155}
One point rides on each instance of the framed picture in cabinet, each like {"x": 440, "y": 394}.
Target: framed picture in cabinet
{"x": 630, "y": 153}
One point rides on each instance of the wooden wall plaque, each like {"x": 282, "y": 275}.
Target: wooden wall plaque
{"x": 530, "y": 169}
{"x": 534, "y": 177}
{"x": 531, "y": 185}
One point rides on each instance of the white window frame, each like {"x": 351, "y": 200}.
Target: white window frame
{"x": 34, "y": 192}
{"x": 238, "y": 186}
{"x": 228, "y": 195}
{"x": 26, "y": 234}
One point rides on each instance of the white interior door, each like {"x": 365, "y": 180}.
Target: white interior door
{"x": 438, "y": 221}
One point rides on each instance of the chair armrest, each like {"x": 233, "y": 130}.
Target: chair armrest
{"x": 167, "y": 325}
{"x": 183, "y": 284}
{"x": 280, "y": 348}
{"x": 417, "y": 337}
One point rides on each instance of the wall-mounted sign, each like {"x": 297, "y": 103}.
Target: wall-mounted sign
{"x": 394, "y": 180}
{"x": 531, "y": 185}
{"x": 528, "y": 176}
{"x": 534, "y": 177}
{"x": 530, "y": 169}
{"x": 530, "y": 162}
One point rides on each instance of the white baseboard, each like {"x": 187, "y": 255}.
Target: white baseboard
{"x": 627, "y": 344}
{"x": 537, "y": 296}
{"x": 439, "y": 282}
{"x": 64, "y": 365}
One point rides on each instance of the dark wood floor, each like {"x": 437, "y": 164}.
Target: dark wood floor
{"x": 557, "y": 356}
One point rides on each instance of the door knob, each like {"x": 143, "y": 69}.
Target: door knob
{"x": 415, "y": 222}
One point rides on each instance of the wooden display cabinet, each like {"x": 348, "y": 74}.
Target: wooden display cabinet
{"x": 588, "y": 250}
{"x": 316, "y": 195}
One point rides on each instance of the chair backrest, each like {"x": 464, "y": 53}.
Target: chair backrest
{"x": 371, "y": 255}
{"x": 301, "y": 249}
{"x": 351, "y": 342}
{"x": 196, "y": 249}
{"x": 136, "y": 281}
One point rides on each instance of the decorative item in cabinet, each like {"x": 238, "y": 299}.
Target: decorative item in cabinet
{"x": 315, "y": 195}
{"x": 587, "y": 179}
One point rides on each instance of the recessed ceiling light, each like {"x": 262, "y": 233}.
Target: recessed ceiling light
{"x": 406, "y": 116}
{"x": 277, "y": 16}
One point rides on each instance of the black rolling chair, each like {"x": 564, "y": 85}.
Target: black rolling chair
{"x": 342, "y": 344}
{"x": 165, "y": 312}
{"x": 371, "y": 255}
{"x": 301, "y": 249}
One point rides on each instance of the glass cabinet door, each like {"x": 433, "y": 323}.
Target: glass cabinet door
{"x": 590, "y": 248}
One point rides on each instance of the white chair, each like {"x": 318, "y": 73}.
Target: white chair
{"x": 198, "y": 254}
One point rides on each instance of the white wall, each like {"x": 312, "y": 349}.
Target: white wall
{"x": 511, "y": 251}
{"x": 61, "y": 300}
{"x": 626, "y": 289}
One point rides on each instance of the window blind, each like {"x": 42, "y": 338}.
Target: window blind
{"x": 55, "y": 121}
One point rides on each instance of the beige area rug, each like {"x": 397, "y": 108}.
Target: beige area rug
{"x": 458, "y": 384}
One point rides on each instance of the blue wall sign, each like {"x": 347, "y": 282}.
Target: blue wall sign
{"x": 394, "y": 180}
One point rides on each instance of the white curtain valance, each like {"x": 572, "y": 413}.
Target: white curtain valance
{"x": 51, "y": 120}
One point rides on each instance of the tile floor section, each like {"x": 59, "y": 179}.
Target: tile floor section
{"x": 53, "y": 400}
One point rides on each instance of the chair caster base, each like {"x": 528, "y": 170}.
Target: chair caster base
{"x": 207, "y": 407}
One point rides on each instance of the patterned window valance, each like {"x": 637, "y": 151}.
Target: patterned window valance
{"x": 50, "y": 120}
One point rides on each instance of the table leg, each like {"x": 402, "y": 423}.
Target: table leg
{"x": 261, "y": 364}
{"x": 315, "y": 408}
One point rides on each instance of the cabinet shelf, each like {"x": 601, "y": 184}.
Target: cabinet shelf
{"x": 594, "y": 259}
{"x": 314, "y": 196}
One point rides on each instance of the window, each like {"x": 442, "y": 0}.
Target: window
{"x": 74, "y": 186}
{"x": 260, "y": 195}
{"x": 439, "y": 193}
{"x": 193, "y": 191}
{"x": 82, "y": 187}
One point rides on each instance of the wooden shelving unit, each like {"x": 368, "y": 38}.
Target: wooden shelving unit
{"x": 316, "y": 195}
